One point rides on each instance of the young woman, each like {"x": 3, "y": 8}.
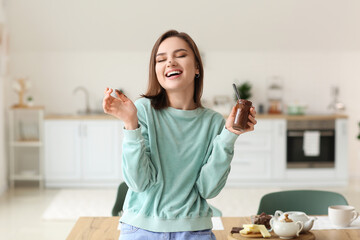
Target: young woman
{"x": 176, "y": 153}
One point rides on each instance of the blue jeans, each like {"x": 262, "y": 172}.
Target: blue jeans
{"x": 129, "y": 232}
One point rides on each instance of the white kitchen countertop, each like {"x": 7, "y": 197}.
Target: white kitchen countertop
{"x": 79, "y": 117}
{"x": 258, "y": 116}
{"x": 301, "y": 117}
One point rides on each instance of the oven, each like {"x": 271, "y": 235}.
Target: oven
{"x": 310, "y": 143}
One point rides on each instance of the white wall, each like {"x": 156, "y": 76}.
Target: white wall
{"x": 313, "y": 45}
{"x": 3, "y": 165}
{"x": 351, "y": 96}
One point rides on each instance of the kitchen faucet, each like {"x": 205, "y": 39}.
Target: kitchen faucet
{"x": 87, "y": 106}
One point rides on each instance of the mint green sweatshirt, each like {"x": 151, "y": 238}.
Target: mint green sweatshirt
{"x": 172, "y": 163}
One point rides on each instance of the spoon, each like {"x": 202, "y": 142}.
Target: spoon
{"x": 236, "y": 92}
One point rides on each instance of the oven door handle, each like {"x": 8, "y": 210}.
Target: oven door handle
{"x": 301, "y": 133}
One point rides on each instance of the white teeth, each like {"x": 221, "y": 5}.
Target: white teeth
{"x": 173, "y": 72}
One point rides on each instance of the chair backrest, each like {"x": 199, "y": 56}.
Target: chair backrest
{"x": 312, "y": 202}
{"x": 120, "y": 198}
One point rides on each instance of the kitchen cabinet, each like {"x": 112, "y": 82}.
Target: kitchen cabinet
{"x": 327, "y": 176}
{"x": 341, "y": 150}
{"x": 260, "y": 156}
{"x": 256, "y": 152}
{"x": 82, "y": 153}
{"x": 87, "y": 152}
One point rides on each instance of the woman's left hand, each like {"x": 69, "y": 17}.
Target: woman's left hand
{"x": 230, "y": 121}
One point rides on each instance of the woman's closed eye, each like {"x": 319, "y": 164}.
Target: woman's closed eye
{"x": 181, "y": 56}
{"x": 161, "y": 60}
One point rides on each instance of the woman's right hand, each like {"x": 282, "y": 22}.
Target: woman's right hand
{"x": 121, "y": 107}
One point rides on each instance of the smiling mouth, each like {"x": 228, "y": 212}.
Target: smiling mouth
{"x": 173, "y": 73}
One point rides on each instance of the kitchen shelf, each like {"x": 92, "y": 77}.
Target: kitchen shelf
{"x": 27, "y": 177}
{"x": 26, "y": 145}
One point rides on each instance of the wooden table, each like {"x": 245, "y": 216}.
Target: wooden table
{"x": 98, "y": 228}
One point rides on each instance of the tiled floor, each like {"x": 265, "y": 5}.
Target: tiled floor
{"x": 21, "y": 216}
{"x": 21, "y": 210}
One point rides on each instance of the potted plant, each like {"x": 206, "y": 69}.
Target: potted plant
{"x": 244, "y": 90}
{"x": 30, "y": 101}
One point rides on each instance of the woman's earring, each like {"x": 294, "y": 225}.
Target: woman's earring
{"x": 197, "y": 75}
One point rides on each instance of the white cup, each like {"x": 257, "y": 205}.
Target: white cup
{"x": 342, "y": 215}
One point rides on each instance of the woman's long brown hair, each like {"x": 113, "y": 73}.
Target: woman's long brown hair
{"x": 155, "y": 92}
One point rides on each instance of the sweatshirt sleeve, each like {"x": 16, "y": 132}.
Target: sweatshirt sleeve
{"x": 137, "y": 168}
{"x": 214, "y": 173}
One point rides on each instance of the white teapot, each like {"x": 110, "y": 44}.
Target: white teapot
{"x": 286, "y": 228}
{"x": 307, "y": 221}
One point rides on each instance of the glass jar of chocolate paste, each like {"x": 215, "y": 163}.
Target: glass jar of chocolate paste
{"x": 242, "y": 115}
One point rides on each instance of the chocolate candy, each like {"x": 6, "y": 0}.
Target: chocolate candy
{"x": 263, "y": 219}
{"x": 236, "y": 229}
